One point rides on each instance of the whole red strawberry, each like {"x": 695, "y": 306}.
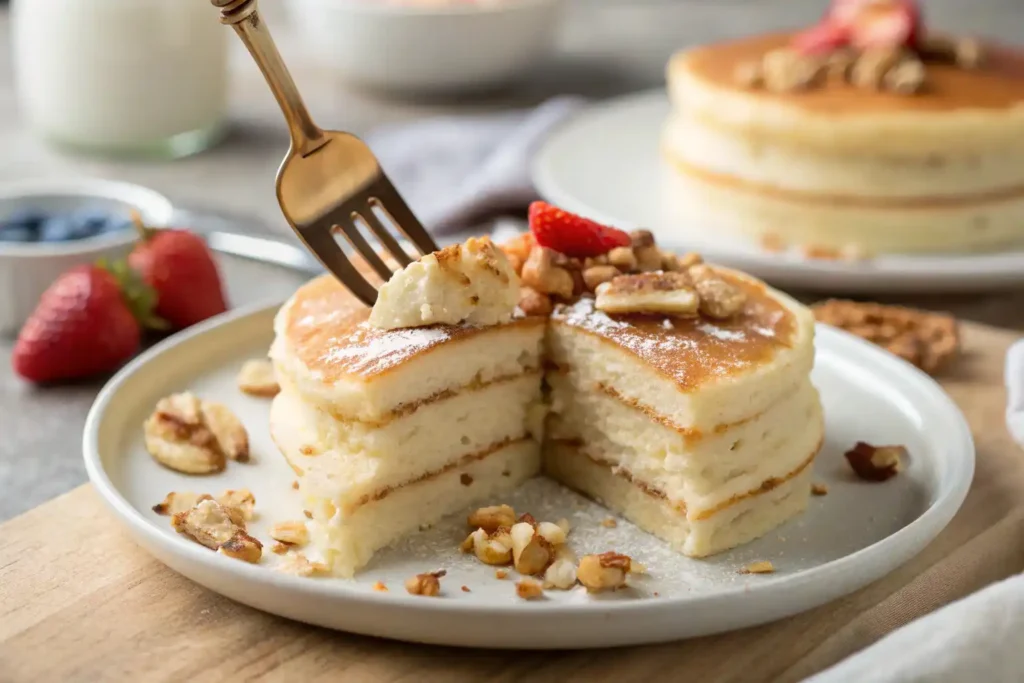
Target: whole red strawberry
{"x": 84, "y": 325}
{"x": 178, "y": 265}
{"x": 572, "y": 235}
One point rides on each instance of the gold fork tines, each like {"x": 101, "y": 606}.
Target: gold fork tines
{"x": 329, "y": 183}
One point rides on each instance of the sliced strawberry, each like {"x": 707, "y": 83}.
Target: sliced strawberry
{"x": 878, "y": 23}
{"x": 821, "y": 39}
{"x": 573, "y": 235}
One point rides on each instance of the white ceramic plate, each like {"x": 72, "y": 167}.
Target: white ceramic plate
{"x": 854, "y": 535}
{"x": 605, "y": 163}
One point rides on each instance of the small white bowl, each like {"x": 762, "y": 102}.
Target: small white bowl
{"x": 428, "y": 48}
{"x": 27, "y": 269}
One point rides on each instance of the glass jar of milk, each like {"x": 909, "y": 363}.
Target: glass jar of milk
{"x": 122, "y": 77}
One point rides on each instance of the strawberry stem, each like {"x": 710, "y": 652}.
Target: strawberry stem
{"x": 145, "y": 232}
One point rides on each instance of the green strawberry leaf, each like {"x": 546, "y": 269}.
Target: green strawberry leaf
{"x": 139, "y": 297}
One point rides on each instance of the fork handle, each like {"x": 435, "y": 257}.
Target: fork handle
{"x": 244, "y": 17}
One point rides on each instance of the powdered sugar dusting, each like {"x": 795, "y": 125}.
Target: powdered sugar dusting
{"x": 368, "y": 349}
{"x": 689, "y": 350}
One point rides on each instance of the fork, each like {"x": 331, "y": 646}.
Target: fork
{"x": 329, "y": 182}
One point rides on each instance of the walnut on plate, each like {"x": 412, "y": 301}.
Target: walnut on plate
{"x": 428, "y": 584}
{"x": 257, "y": 378}
{"x": 193, "y": 436}
{"x": 219, "y": 528}
{"x": 607, "y": 571}
{"x": 875, "y": 463}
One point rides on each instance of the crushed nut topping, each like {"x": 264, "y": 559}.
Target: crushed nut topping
{"x": 606, "y": 571}
{"x": 494, "y": 548}
{"x": 609, "y": 523}
{"x": 532, "y": 302}
{"x": 929, "y": 341}
{"x": 542, "y": 273}
{"x": 528, "y": 589}
{"x": 500, "y": 574}
{"x": 257, "y": 378}
{"x": 240, "y": 499}
{"x": 380, "y": 587}
{"x": 819, "y": 489}
{"x": 760, "y": 567}
{"x": 428, "y": 585}
{"x": 175, "y": 502}
{"x": 193, "y": 436}
{"x": 875, "y": 463}
{"x": 597, "y": 275}
{"x": 300, "y": 565}
{"x": 531, "y": 552}
{"x": 280, "y": 548}
{"x": 292, "y": 532}
{"x": 219, "y": 528}
{"x": 491, "y": 518}
{"x": 561, "y": 574}
{"x": 719, "y": 299}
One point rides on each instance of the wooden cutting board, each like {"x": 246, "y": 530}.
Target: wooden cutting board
{"x": 80, "y": 602}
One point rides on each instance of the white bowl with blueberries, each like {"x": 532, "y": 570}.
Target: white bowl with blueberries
{"x": 49, "y": 226}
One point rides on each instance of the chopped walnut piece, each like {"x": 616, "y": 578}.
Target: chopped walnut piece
{"x": 906, "y": 77}
{"x": 969, "y": 53}
{"x": 596, "y": 275}
{"x": 292, "y": 532}
{"x": 257, "y": 378}
{"x": 875, "y": 463}
{"x": 500, "y": 574}
{"x": 531, "y": 552}
{"x": 786, "y": 70}
{"x": 670, "y": 293}
{"x": 517, "y": 250}
{"x": 719, "y": 299}
{"x": 295, "y": 484}
{"x": 606, "y": 571}
{"x": 428, "y": 585}
{"x": 600, "y": 259}
{"x": 871, "y": 66}
{"x": 561, "y": 573}
{"x": 609, "y": 523}
{"x": 622, "y": 258}
{"x": 380, "y": 587}
{"x": 542, "y": 274}
{"x": 532, "y": 302}
{"x": 465, "y": 589}
{"x": 528, "y": 589}
{"x": 552, "y": 533}
{"x": 929, "y": 341}
{"x": 839, "y": 63}
{"x": 819, "y": 489}
{"x": 300, "y": 565}
{"x": 760, "y": 567}
{"x": 637, "y": 567}
{"x": 280, "y": 548}
{"x": 219, "y": 528}
{"x": 749, "y": 75}
{"x": 491, "y": 518}
{"x": 641, "y": 239}
{"x": 494, "y": 548}
{"x": 193, "y": 436}
{"x": 175, "y": 502}
{"x": 240, "y": 499}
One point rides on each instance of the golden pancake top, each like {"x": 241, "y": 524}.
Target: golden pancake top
{"x": 998, "y": 84}
{"x": 327, "y": 329}
{"x": 690, "y": 351}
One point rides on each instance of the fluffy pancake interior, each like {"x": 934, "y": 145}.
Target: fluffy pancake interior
{"x": 703, "y": 471}
{"x": 349, "y": 541}
{"x": 349, "y": 461}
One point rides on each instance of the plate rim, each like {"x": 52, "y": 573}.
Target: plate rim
{"x": 916, "y": 535}
{"x": 906, "y": 272}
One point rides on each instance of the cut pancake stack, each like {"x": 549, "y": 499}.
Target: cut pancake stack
{"x": 702, "y": 433}
{"x": 389, "y": 430}
{"x": 699, "y": 430}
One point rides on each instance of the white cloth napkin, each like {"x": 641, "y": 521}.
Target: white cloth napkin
{"x": 978, "y": 638}
{"x": 457, "y": 172}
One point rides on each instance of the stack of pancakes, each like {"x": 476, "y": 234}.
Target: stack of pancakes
{"x": 389, "y": 430}
{"x": 839, "y": 167}
{"x": 699, "y": 431}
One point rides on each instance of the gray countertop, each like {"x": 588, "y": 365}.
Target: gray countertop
{"x": 608, "y": 47}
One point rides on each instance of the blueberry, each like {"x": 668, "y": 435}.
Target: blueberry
{"x": 30, "y": 218}
{"x": 117, "y": 224}
{"x": 58, "y": 229}
{"x": 17, "y": 233}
